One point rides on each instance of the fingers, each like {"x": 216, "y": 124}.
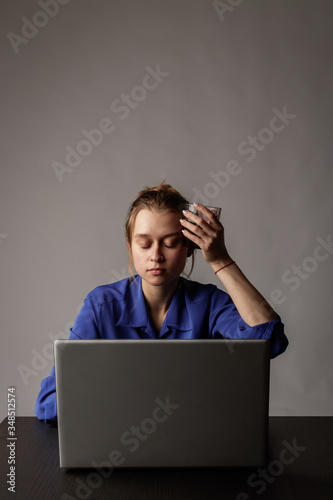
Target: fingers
{"x": 192, "y": 232}
{"x": 199, "y": 228}
{"x": 206, "y": 218}
{"x": 205, "y": 230}
{"x": 210, "y": 214}
{"x": 201, "y": 233}
{"x": 193, "y": 238}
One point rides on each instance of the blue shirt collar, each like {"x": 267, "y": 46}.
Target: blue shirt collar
{"x": 135, "y": 312}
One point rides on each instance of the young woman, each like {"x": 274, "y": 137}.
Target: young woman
{"x": 157, "y": 302}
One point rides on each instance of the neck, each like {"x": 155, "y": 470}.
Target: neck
{"x": 158, "y": 298}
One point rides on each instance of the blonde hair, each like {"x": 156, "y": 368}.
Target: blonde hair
{"x": 162, "y": 198}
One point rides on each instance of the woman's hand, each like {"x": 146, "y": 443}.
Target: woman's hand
{"x": 209, "y": 236}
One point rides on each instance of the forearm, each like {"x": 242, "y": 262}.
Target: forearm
{"x": 251, "y": 305}
{"x": 209, "y": 236}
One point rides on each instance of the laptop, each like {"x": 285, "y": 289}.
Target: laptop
{"x": 162, "y": 403}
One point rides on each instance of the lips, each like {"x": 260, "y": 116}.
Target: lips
{"x": 156, "y": 270}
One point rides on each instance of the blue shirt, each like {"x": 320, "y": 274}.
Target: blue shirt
{"x": 197, "y": 311}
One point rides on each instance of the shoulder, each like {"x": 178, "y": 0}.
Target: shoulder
{"x": 197, "y": 292}
{"x": 112, "y": 292}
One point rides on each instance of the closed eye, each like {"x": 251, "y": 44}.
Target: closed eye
{"x": 173, "y": 244}
{"x": 166, "y": 246}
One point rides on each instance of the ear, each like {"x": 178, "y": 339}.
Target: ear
{"x": 129, "y": 249}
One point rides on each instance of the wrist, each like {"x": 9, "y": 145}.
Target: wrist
{"x": 226, "y": 265}
{"x": 219, "y": 265}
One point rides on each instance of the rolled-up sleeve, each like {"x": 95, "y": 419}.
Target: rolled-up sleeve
{"x": 85, "y": 327}
{"x": 227, "y": 322}
{"x": 46, "y": 404}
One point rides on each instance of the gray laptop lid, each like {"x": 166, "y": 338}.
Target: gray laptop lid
{"x": 162, "y": 403}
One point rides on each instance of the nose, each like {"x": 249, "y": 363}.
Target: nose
{"x": 156, "y": 254}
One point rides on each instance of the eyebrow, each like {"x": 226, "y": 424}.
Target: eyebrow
{"x": 140, "y": 235}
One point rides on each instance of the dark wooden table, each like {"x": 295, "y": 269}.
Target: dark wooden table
{"x": 299, "y": 467}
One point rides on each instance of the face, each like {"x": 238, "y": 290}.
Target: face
{"x": 159, "y": 255}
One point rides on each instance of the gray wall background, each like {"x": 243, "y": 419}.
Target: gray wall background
{"x": 225, "y": 71}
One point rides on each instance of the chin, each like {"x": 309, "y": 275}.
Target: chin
{"x": 159, "y": 280}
